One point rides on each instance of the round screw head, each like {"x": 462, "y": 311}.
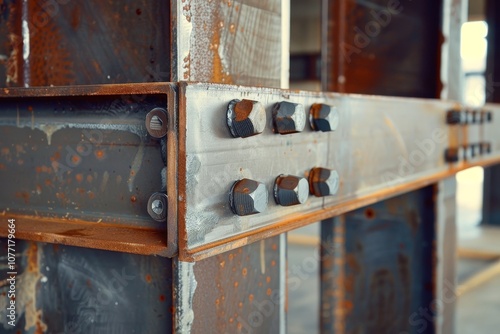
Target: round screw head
{"x": 323, "y": 117}
{"x": 158, "y": 206}
{"x": 290, "y": 190}
{"x": 156, "y": 123}
{"x": 288, "y": 117}
{"x": 248, "y": 197}
{"x": 323, "y": 182}
{"x": 245, "y": 118}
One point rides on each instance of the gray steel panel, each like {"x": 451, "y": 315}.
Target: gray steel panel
{"x": 374, "y": 135}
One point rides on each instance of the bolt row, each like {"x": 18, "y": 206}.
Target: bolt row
{"x": 465, "y": 117}
{"x": 246, "y": 118}
{"x": 467, "y": 152}
{"x": 248, "y": 197}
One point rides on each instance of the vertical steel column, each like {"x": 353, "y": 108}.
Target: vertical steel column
{"x": 366, "y": 52}
{"x": 491, "y": 194}
{"x": 62, "y": 289}
{"x": 238, "y": 42}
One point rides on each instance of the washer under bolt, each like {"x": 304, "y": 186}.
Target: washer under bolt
{"x": 248, "y": 197}
{"x": 323, "y": 182}
{"x": 245, "y": 118}
{"x": 290, "y": 190}
{"x": 156, "y": 123}
{"x": 158, "y": 206}
{"x": 323, "y": 117}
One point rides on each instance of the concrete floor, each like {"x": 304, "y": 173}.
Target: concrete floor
{"x": 478, "y": 310}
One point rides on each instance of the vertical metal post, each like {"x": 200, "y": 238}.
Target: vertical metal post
{"x": 242, "y": 290}
{"x": 347, "y": 59}
{"x": 491, "y": 193}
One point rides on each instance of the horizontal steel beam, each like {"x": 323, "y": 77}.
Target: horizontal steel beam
{"x": 78, "y": 166}
{"x": 380, "y": 148}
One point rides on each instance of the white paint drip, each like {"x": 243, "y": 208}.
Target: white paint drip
{"x": 185, "y": 294}
{"x": 136, "y": 166}
{"x": 26, "y": 43}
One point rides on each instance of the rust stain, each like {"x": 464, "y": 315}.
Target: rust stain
{"x": 75, "y": 17}
{"x": 148, "y": 278}
{"x": 100, "y": 154}
{"x": 370, "y": 213}
{"x": 218, "y": 73}
{"x": 79, "y": 177}
{"x": 50, "y": 61}
{"x": 24, "y": 195}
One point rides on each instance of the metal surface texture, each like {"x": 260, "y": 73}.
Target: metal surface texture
{"x": 63, "y": 289}
{"x": 78, "y": 166}
{"x": 63, "y": 42}
{"x": 238, "y": 42}
{"x": 378, "y": 267}
{"x": 382, "y": 146}
{"x": 242, "y": 290}
{"x": 491, "y": 193}
{"x": 363, "y": 47}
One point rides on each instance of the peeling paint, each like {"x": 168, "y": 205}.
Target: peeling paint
{"x": 186, "y": 287}
{"x": 136, "y": 166}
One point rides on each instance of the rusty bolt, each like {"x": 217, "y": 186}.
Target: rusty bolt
{"x": 248, "y": 197}
{"x": 157, "y": 207}
{"x": 454, "y": 117}
{"x": 323, "y": 117}
{"x": 323, "y": 182}
{"x": 156, "y": 123}
{"x": 288, "y": 117}
{"x": 290, "y": 190}
{"x": 452, "y": 155}
{"x": 245, "y": 118}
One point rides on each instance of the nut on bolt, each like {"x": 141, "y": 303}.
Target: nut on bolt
{"x": 248, "y": 197}
{"x": 288, "y": 117}
{"x": 323, "y": 182}
{"x": 323, "y": 117}
{"x": 245, "y": 118}
{"x": 158, "y": 206}
{"x": 290, "y": 190}
{"x": 156, "y": 123}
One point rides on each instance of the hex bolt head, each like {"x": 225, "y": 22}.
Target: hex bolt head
{"x": 290, "y": 190}
{"x": 451, "y": 155}
{"x": 245, "y": 118}
{"x": 489, "y": 116}
{"x": 323, "y": 182}
{"x": 156, "y": 123}
{"x": 288, "y": 117}
{"x": 454, "y": 117}
{"x": 323, "y": 117}
{"x": 248, "y": 197}
{"x": 484, "y": 148}
{"x": 158, "y": 207}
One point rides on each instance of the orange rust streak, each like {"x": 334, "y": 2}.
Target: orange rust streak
{"x": 90, "y": 235}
